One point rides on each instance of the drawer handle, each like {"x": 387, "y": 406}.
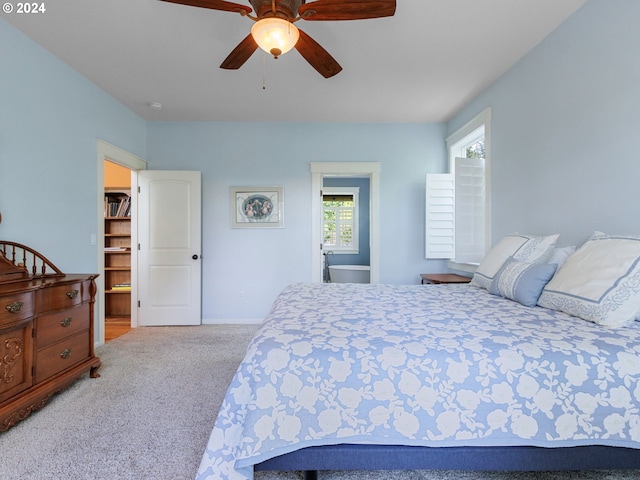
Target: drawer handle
{"x": 72, "y": 293}
{"x": 66, "y": 321}
{"x": 66, "y": 353}
{"x": 15, "y": 307}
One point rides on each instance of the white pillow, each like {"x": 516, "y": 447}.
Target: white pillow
{"x": 600, "y": 282}
{"x": 524, "y": 248}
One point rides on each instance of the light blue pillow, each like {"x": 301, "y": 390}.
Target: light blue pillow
{"x": 522, "y": 281}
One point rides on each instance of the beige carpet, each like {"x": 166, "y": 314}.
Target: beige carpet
{"x": 150, "y": 413}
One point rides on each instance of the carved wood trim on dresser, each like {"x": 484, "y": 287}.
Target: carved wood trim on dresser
{"x": 46, "y": 331}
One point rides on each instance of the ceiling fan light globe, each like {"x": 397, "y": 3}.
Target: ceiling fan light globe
{"x": 275, "y": 35}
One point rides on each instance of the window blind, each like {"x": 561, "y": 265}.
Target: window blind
{"x": 470, "y": 204}
{"x": 440, "y": 220}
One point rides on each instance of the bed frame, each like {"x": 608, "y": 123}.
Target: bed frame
{"x": 487, "y": 458}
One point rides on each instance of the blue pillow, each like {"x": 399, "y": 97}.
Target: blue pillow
{"x": 522, "y": 281}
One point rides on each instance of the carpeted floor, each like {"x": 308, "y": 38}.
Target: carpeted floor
{"x": 149, "y": 415}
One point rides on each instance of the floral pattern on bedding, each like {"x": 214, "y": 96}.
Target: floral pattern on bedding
{"x": 423, "y": 365}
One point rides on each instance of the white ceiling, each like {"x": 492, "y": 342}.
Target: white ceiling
{"x": 422, "y": 65}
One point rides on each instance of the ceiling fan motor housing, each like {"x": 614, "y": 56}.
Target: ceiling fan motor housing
{"x": 286, "y": 9}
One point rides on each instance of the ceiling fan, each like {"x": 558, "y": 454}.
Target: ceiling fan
{"x": 275, "y": 33}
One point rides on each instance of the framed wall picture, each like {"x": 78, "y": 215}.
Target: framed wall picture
{"x": 257, "y": 207}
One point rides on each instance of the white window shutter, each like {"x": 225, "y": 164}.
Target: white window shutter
{"x": 440, "y": 219}
{"x": 470, "y": 207}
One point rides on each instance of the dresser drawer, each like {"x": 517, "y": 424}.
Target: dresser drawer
{"x": 65, "y": 323}
{"x": 61, "y": 296}
{"x": 62, "y": 355}
{"x": 16, "y": 307}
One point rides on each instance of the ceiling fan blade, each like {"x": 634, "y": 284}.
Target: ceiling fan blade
{"x": 317, "y": 56}
{"x": 347, "y": 9}
{"x": 240, "y": 54}
{"x": 215, "y": 5}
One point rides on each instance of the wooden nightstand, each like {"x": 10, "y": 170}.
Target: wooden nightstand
{"x": 436, "y": 278}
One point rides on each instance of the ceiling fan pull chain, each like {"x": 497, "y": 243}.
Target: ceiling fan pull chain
{"x": 264, "y": 71}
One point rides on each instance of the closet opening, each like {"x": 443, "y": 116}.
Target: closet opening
{"x": 117, "y": 249}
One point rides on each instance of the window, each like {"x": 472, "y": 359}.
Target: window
{"x": 340, "y": 214}
{"x": 466, "y": 224}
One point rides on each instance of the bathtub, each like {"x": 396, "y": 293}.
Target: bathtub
{"x": 349, "y": 273}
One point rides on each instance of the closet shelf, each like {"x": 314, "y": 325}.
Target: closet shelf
{"x": 117, "y": 253}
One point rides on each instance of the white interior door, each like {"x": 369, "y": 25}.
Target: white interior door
{"x": 169, "y": 236}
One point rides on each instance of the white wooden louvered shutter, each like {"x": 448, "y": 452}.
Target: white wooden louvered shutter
{"x": 440, "y": 216}
{"x": 470, "y": 205}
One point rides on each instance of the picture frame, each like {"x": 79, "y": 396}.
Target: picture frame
{"x": 257, "y": 207}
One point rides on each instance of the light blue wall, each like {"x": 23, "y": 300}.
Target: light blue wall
{"x": 50, "y": 119}
{"x": 566, "y": 124}
{"x": 261, "y": 262}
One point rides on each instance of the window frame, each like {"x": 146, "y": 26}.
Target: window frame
{"x": 354, "y": 249}
{"x": 457, "y": 144}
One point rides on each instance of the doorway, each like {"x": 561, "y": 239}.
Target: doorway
{"x": 369, "y": 170}
{"x": 117, "y": 250}
{"x": 346, "y": 227}
{"x": 132, "y": 164}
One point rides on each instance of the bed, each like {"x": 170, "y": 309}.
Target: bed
{"x": 352, "y": 376}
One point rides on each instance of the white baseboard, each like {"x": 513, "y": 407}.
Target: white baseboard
{"x": 231, "y": 321}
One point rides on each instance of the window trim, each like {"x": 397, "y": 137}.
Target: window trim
{"x": 454, "y": 142}
{"x": 355, "y": 192}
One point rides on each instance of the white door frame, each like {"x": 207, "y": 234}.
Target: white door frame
{"x": 346, "y": 169}
{"x": 111, "y": 153}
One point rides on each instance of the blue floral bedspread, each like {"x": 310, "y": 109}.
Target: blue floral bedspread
{"x": 423, "y": 365}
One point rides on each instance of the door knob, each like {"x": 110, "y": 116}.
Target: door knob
{"x": 195, "y": 257}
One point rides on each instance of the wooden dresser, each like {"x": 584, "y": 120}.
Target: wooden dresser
{"x": 46, "y": 331}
